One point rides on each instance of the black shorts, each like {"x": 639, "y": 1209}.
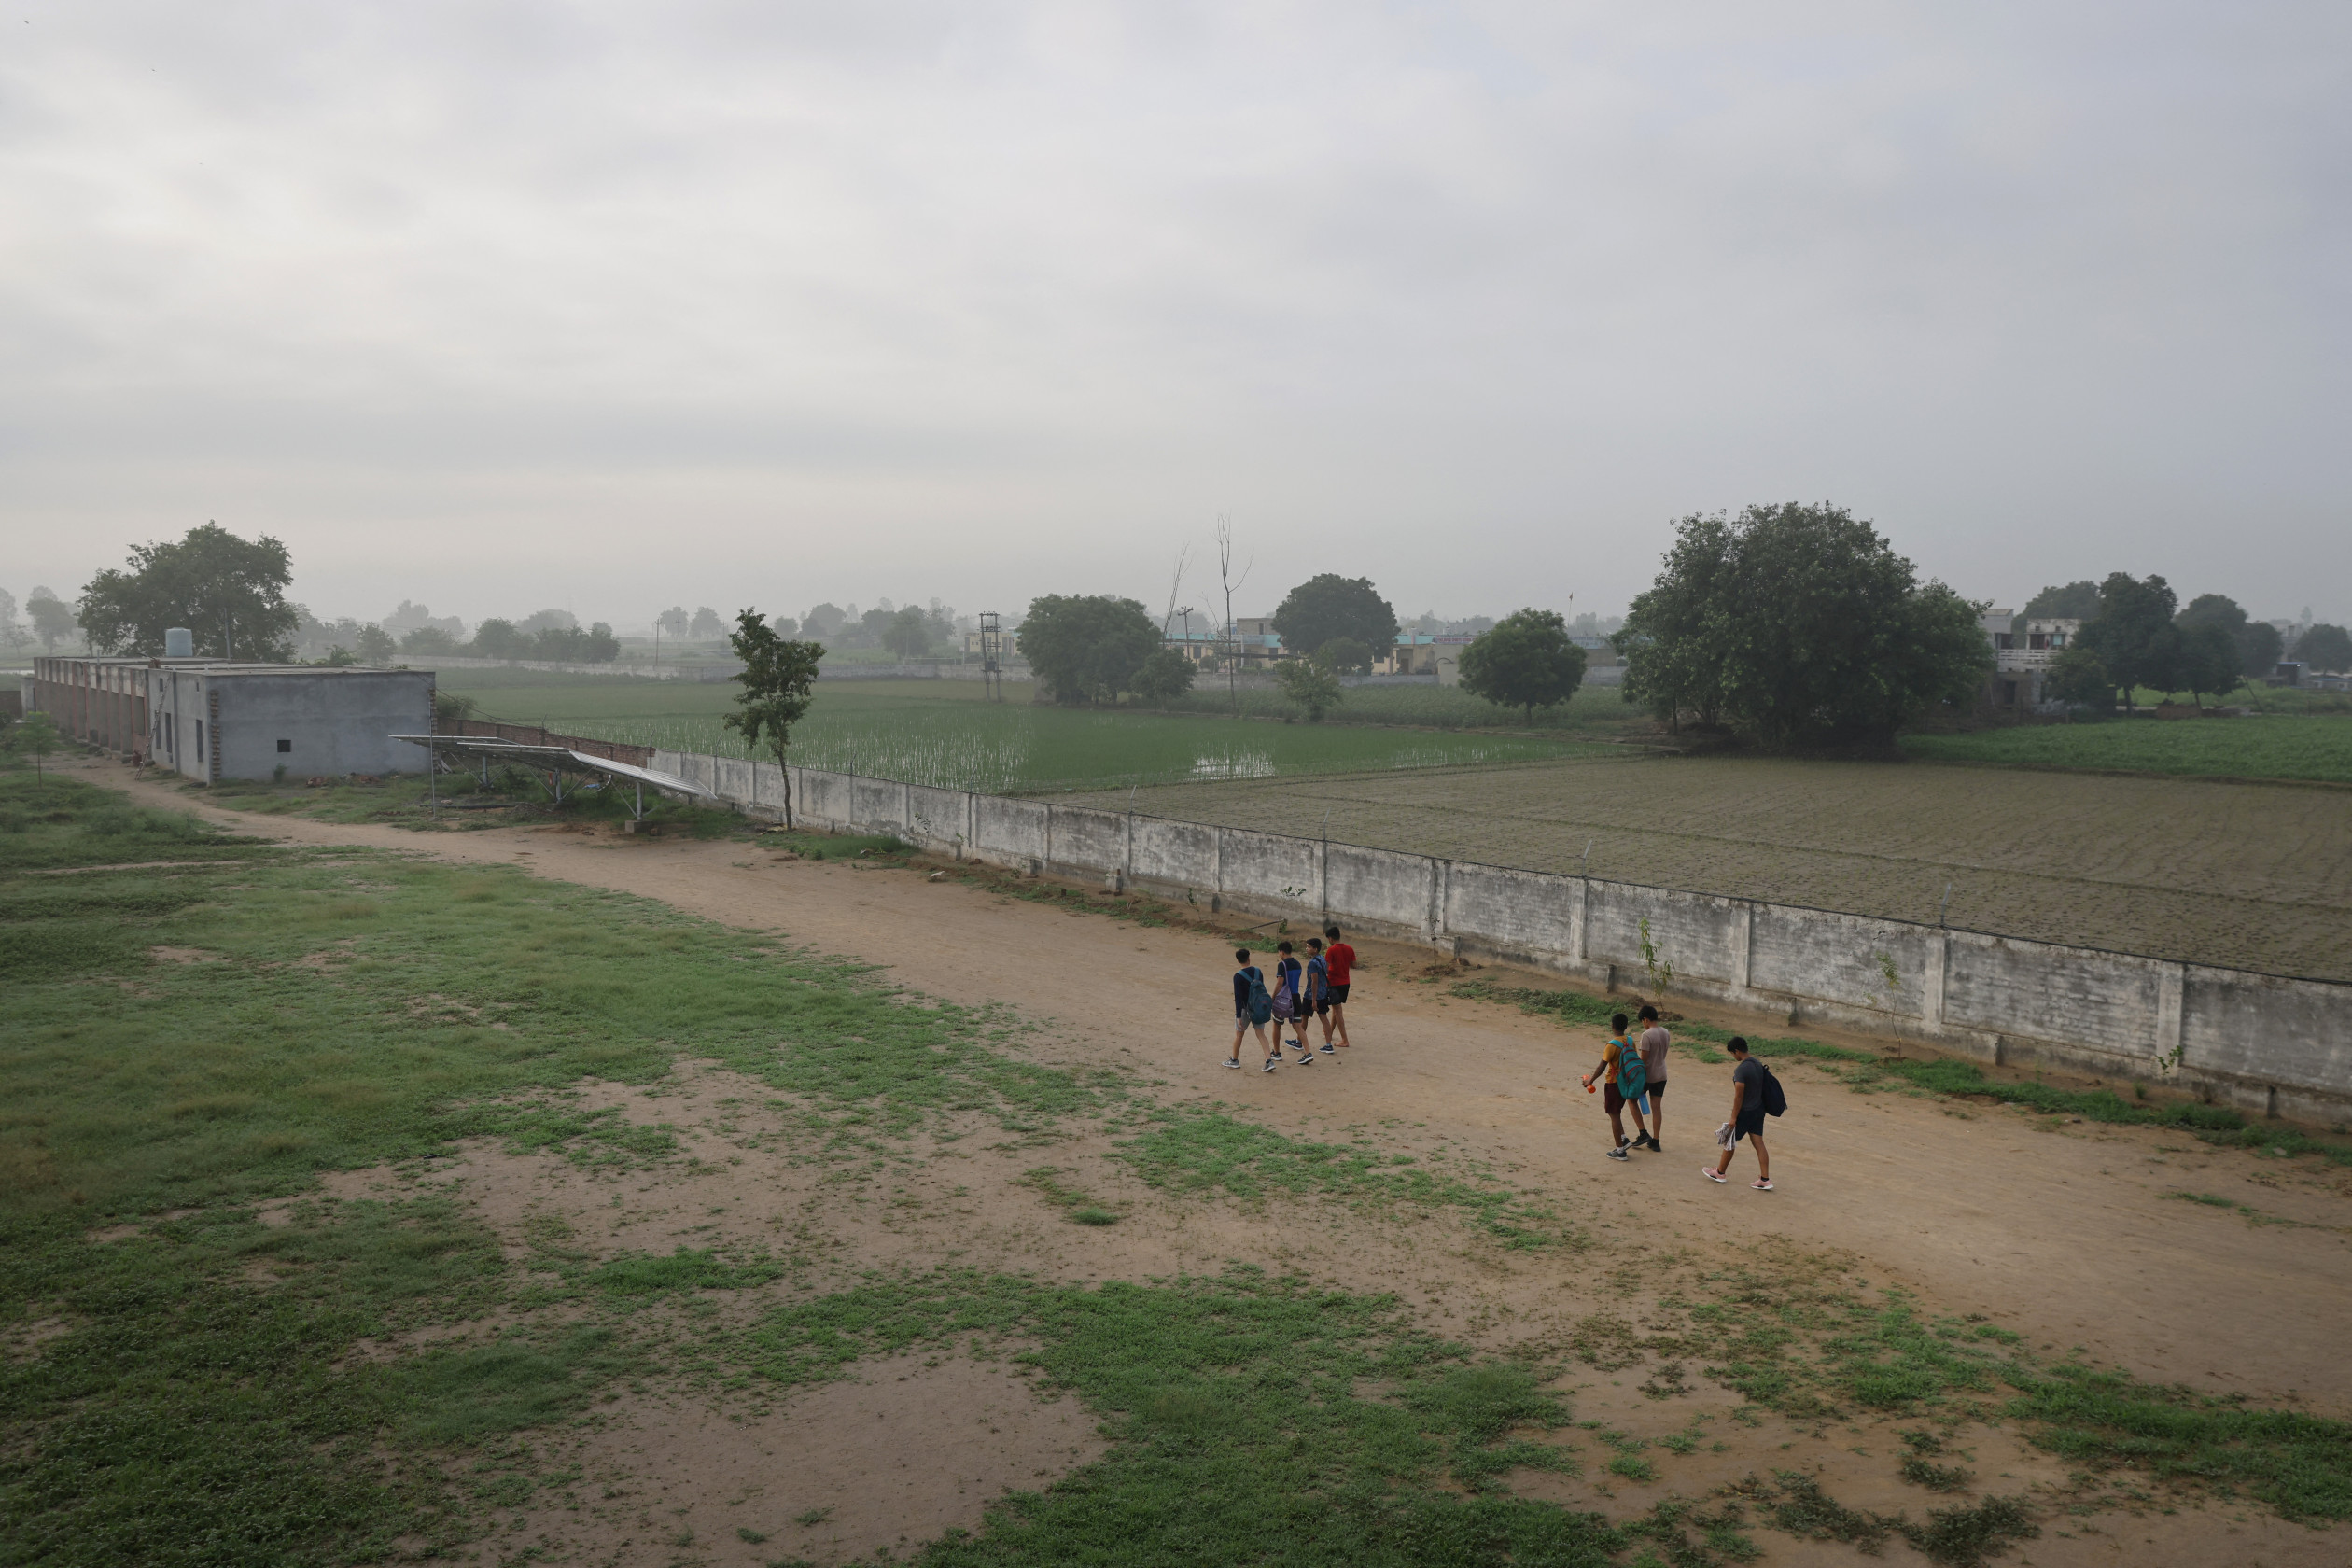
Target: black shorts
{"x": 1656, "y": 1087}
{"x": 1339, "y": 997}
{"x": 1750, "y": 1122}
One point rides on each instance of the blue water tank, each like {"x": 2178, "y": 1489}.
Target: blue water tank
{"x": 179, "y": 642}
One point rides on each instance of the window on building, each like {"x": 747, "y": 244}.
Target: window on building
{"x": 286, "y": 746}
{"x": 2005, "y": 639}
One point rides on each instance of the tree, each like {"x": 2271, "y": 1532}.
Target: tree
{"x": 12, "y": 632}
{"x": 777, "y": 673}
{"x": 545, "y": 620}
{"x": 824, "y": 621}
{"x": 1087, "y": 648}
{"x": 1347, "y": 656}
{"x": 2325, "y": 648}
{"x": 783, "y": 625}
{"x": 2255, "y": 642}
{"x": 428, "y": 640}
{"x": 707, "y": 627}
{"x": 230, "y": 592}
{"x": 906, "y": 634}
{"x": 1800, "y": 626}
{"x": 53, "y": 622}
{"x": 2208, "y": 660}
{"x": 1670, "y": 639}
{"x": 2134, "y": 635}
{"x": 874, "y": 623}
{"x": 374, "y": 645}
{"x": 2259, "y": 648}
{"x": 1526, "y": 662}
{"x": 2073, "y": 601}
{"x": 36, "y": 735}
{"x": 1162, "y": 678}
{"x": 495, "y": 638}
{"x": 1328, "y": 607}
{"x": 2078, "y": 678}
{"x": 1310, "y": 683}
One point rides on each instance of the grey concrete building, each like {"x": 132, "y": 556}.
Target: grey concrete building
{"x": 209, "y": 719}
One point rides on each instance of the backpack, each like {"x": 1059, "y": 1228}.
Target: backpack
{"x": 1632, "y": 1073}
{"x": 1318, "y": 982}
{"x": 1775, "y": 1100}
{"x": 1261, "y": 1005}
{"x": 1285, "y": 1003}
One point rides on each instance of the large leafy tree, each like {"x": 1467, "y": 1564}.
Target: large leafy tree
{"x": 2325, "y": 648}
{"x": 497, "y": 637}
{"x": 777, "y": 677}
{"x": 2134, "y": 635}
{"x": 1088, "y": 647}
{"x": 52, "y": 619}
{"x": 1800, "y": 625}
{"x": 1327, "y": 608}
{"x": 2256, "y": 642}
{"x": 1164, "y": 677}
{"x": 230, "y": 592}
{"x": 2077, "y": 677}
{"x": 1526, "y": 662}
{"x": 1672, "y": 638}
{"x": 2070, "y": 601}
{"x": 2208, "y": 660}
{"x": 906, "y": 634}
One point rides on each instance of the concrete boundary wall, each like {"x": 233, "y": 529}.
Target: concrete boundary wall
{"x": 2265, "y": 1043}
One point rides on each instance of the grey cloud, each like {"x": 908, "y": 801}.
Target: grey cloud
{"x": 1473, "y": 296}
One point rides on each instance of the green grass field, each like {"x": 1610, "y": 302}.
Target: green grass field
{"x": 194, "y": 1380}
{"x": 2314, "y": 747}
{"x": 944, "y": 733}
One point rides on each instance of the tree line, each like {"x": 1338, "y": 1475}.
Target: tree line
{"x": 2136, "y": 636}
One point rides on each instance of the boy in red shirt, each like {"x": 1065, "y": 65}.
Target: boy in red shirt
{"x": 1338, "y": 961}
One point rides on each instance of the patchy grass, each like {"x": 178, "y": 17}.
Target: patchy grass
{"x": 1201, "y": 1151}
{"x": 1239, "y": 1433}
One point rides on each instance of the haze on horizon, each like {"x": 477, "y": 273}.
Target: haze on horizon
{"x": 498, "y": 306}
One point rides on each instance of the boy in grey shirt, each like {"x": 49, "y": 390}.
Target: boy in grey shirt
{"x": 1653, "y": 1044}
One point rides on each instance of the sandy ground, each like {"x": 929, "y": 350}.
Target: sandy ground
{"x": 2062, "y": 1234}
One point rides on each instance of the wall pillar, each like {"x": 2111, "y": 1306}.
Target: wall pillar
{"x": 1580, "y": 890}
{"x": 1434, "y": 911}
{"x": 1931, "y": 982}
{"x": 1216, "y": 881}
{"x": 2171, "y": 981}
{"x": 1743, "y": 940}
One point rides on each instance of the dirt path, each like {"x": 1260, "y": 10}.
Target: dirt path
{"x": 2065, "y": 1235}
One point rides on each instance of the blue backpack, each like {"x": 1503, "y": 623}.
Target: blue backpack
{"x": 1632, "y": 1073}
{"x": 1261, "y": 1004}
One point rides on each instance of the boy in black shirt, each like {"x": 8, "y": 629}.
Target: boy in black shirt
{"x": 1747, "y": 1116}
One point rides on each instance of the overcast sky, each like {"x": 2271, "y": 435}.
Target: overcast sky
{"x": 496, "y": 306}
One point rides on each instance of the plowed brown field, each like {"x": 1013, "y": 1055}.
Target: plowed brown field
{"x": 2248, "y": 876}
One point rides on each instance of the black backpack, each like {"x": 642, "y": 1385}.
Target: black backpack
{"x": 1775, "y": 1099}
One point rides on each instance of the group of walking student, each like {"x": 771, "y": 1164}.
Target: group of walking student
{"x": 1632, "y": 1076}
{"x": 1306, "y": 993}
{"x": 1302, "y": 994}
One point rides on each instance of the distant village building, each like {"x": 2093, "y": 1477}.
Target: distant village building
{"x": 211, "y": 720}
{"x": 2023, "y": 649}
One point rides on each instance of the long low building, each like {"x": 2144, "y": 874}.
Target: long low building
{"x": 212, "y": 720}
